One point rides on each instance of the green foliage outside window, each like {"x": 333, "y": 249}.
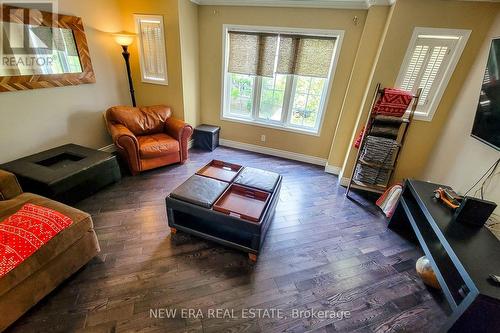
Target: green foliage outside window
{"x": 241, "y": 94}
{"x": 272, "y": 97}
{"x": 305, "y": 102}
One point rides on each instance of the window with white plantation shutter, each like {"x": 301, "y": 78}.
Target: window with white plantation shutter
{"x": 429, "y": 63}
{"x": 152, "y": 48}
{"x": 414, "y": 67}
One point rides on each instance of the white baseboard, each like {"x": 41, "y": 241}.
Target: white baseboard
{"x": 258, "y": 149}
{"x": 273, "y": 152}
{"x": 344, "y": 181}
{"x": 108, "y": 149}
{"x": 335, "y": 170}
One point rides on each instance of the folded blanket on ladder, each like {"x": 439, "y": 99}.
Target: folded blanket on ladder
{"x": 371, "y": 175}
{"x": 385, "y": 131}
{"x": 394, "y": 102}
{"x": 377, "y": 157}
{"x": 390, "y": 107}
{"x": 386, "y": 126}
{"x": 379, "y": 150}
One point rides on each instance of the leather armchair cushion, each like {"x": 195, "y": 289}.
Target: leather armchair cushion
{"x": 140, "y": 120}
{"x": 157, "y": 145}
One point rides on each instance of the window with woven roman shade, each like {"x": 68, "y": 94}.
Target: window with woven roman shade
{"x": 278, "y": 78}
{"x": 266, "y": 54}
{"x": 152, "y": 48}
{"x": 252, "y": 53}
{"x": 305, "y": 55}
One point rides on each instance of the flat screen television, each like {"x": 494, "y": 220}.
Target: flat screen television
{"x": 486, "y": 126}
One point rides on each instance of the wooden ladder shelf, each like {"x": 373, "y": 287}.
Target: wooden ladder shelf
{"x": 389, "y": 167}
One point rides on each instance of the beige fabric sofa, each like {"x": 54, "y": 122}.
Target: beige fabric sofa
{"x": 63, "y": 255}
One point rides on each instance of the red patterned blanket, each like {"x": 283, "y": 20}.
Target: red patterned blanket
{"x": 23, "y": 233}
{"x": 393, "y": 102}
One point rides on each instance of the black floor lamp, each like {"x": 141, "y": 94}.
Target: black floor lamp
{"x": 125, "y": 39}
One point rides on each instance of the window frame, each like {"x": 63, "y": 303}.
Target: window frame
{"x": 137, "y": 19}
{"x": 462, "y": 36}
{"x": 288, "y": 99}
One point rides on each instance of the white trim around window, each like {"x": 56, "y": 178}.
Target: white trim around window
{"x": 284, "y": 124}
{"x": 152, "y": 52}
{"x": 454, "y": 41}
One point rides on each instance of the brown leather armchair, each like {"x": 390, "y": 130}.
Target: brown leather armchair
{"x": 148, "y": 137}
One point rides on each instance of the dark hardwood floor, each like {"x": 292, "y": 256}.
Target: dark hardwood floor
{"x": 323, "y": 252}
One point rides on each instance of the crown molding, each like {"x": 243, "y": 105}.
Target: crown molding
{"x": 380, "y": 2}
{"x": 337, "y": 4}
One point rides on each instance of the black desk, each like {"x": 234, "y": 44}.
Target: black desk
{"x": 462, "y": 256}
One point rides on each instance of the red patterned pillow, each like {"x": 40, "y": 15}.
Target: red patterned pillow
{"x": 24, "y": 232}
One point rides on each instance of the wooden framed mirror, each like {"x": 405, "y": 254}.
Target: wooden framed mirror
{"x": 42, "y": 50}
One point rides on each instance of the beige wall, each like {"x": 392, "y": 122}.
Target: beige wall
{"x": 458, "y": 159}
{"x": 407, "y": 14}
{"x": 39, "y": 119}
{"x": 365, "y": 57}
{"x": 211, "y": 19}
{"x": 188, "y": 26}
{"x": 147, "y": 93}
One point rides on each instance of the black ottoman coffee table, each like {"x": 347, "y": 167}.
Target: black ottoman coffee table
{"x": 67, "y": 173}
{"x": 226, "y": 203}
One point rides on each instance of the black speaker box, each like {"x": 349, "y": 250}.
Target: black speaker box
{"x": 474, "y": 211}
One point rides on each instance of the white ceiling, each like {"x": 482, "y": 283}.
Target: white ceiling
{"x": 346, "y": 4}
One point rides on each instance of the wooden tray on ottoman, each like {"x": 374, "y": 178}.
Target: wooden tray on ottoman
{"x": 242, "y": 202}
{"x": 220, "y": 170}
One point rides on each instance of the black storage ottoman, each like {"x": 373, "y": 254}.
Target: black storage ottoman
{"x": 190, "y": 208}
{"x": 206, "y": 137}
{"x": 67, "y": 173}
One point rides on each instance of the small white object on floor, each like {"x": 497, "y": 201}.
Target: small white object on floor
{"x": 388, "y": 201}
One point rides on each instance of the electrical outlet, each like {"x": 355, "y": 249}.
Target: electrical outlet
{"x": 263, "y": 138}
